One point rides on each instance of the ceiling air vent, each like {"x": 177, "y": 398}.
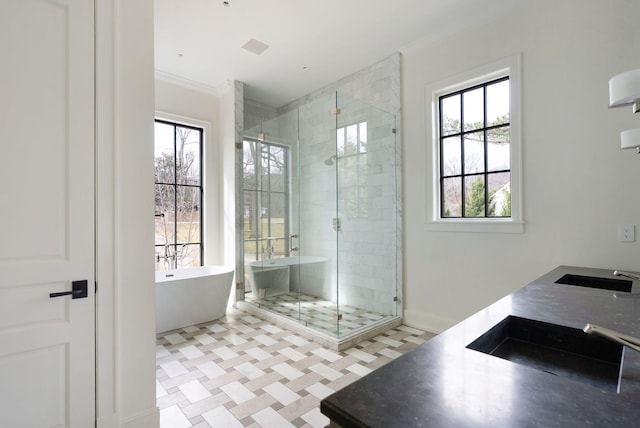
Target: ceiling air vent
{"x": 255, "y": 46}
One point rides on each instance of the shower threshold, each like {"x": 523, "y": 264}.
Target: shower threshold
{"x": 315, "y": 319}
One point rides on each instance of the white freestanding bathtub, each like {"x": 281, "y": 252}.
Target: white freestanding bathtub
{"x": 191, "y": 296}
{"x": 307, "y": 274}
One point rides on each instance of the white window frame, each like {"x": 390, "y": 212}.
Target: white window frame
{"x": 511, "y": 67}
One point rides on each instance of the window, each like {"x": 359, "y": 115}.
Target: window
{"x": 266, "y": 201}
{"x": 476, "y": 151}
{"x": 351, "y": 142}
{"x": 475, "y": 164}
{"x": 178, "y": 195}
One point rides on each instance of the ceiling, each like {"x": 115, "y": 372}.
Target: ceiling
{"x": 311, "y": 43}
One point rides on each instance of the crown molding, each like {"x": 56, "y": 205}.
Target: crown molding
{"x": 186, "y": 83}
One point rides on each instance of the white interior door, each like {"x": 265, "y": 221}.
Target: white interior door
{"x": 47, "y": 353}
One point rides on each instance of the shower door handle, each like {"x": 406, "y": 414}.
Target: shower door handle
{"x": 291, "y": 247}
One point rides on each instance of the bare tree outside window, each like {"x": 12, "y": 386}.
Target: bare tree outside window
{"x": 178, "y": 195}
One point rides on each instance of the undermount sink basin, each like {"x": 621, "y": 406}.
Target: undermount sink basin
{"x": 596, "y": 282}
{"x": 559, "y": 350}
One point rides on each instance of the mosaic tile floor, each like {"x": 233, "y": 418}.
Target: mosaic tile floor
{"x": 241, "y": 371}
{"x": 319, "y": 314}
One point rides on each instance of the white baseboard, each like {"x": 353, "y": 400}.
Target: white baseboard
{"x": 147, "y": 419}
{"x": 430, "y": 323}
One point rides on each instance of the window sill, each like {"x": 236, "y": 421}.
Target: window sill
{"x": 476, "y": 225}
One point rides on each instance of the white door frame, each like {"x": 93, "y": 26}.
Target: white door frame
{"x": 125, "y": 302}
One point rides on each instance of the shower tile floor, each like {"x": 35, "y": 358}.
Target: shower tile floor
{"x": 319, "y": 314}
{"x": 242, "y": 371}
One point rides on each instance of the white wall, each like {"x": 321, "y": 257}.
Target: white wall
{"x": 578, "y": 185}
{"x": 172, "y": 97}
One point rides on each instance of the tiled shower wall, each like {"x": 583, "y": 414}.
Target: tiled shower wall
{"x": 365, "y": 255}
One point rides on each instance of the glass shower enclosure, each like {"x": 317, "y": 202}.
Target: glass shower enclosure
{"x": 320, "y": 212}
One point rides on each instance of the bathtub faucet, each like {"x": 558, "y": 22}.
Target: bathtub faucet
{"x": 166, "y": 257}
{"x": 271, "y": 249}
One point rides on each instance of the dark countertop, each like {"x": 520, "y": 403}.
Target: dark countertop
{"x": 441, "y": 383}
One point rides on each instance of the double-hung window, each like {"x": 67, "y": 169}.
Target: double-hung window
{"x": 476, "y": 185}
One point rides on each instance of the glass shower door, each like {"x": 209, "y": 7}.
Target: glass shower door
{"x": 366, "y": 212}
{"x": 315, "y": 200}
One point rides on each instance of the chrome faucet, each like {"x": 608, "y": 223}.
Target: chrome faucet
{"x": 630, "y": 275}
{"x": 271, "y": 249}
{"x": 622, "y": 339}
